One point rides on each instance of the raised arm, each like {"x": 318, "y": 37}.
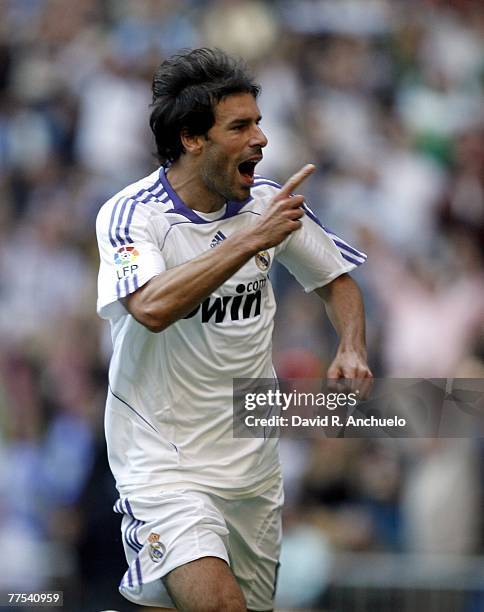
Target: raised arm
{"x": 344, "y": 305}
{"x": 174, "y": 293}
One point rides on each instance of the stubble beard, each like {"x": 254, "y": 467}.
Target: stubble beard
{"x": 214, "y": 175}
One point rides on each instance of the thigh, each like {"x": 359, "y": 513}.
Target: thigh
{"x": 255, "y": 534}
{"x": 204, "y": 585}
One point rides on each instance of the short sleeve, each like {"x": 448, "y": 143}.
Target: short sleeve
{"x": 315, "y": 256}
{"x": 128, "y": 240}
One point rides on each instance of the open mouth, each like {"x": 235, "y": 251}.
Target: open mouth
{"x": 247, "y": 168}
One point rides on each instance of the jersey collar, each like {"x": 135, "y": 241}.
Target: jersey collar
{"x": 179, "y": 206}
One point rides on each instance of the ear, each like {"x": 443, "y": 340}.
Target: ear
{"x": 192, "y": 144}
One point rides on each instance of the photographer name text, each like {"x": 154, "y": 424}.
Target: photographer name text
{"x": 328, "y": 420}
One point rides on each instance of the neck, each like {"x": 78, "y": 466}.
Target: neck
{"x": 189, "y": 186}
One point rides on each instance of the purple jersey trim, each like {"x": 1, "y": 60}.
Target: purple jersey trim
{"x": 116, "y": 220}
{"x": 131, "y": 408}
{"x": 180, "y": 208}
{"x": 264, "y": 181}
{"x": 120, "y": 221}
{"x": 351, "y": 260}
{"x": 346, "y": 247}
{"x": 337, "y": 240}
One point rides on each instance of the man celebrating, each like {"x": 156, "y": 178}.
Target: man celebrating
{"x": 185, "y": 258}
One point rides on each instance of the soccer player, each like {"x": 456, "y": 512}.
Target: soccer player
{"x": 185, "y": 257}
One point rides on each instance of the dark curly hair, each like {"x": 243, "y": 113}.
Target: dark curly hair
{"x": 186, "y": 87}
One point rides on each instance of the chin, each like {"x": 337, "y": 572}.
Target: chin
{"x": 243, "y": 194}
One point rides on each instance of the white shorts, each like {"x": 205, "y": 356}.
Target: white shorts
{"x": 164, "y": 532}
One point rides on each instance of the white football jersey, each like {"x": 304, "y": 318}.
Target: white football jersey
{"x": 169, "y": 406}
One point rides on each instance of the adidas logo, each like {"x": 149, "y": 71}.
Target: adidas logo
{"x": 217, "y": 239}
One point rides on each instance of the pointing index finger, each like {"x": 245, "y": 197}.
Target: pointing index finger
{"x": 296, "y": 179}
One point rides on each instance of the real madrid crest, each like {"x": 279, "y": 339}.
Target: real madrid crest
{"x": 157, "y": 550}
{"x": 263, "y": 260}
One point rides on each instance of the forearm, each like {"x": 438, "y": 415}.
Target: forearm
{"x": 176, "y": 292}
{"x": 344, "y": 306}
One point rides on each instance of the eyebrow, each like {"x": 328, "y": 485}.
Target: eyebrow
{"x": 244, "y": 121}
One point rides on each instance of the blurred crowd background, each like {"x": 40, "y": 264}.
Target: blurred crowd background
{"x": 386, "y": 97}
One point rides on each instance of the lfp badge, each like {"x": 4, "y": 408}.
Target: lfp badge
{"x": 124, "y": 258}
{"x": 125, "y": 255}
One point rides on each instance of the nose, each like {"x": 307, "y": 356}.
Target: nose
{"x": 258, "y": 138}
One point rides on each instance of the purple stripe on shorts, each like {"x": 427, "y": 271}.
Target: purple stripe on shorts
{"x": 129, "y": 535}
{"x": 135, "y": 534}
{"x": 128, "y": 508}
{"x": 138, "y": 571}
